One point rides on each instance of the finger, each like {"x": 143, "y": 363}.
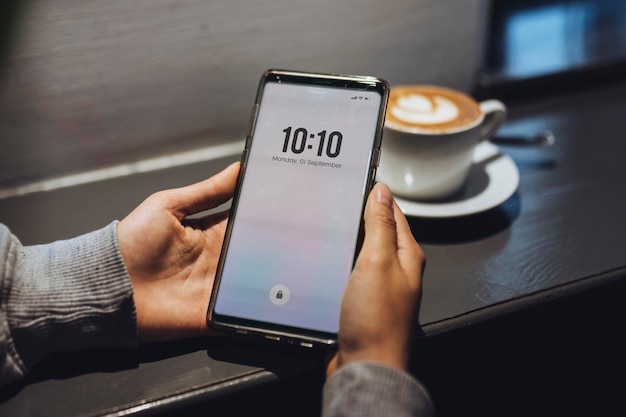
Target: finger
{"x": 332, "y": 366}
{"x": 380, "y": 224}
{"x": 405, "y": 235}
{"x": 207, "y": 194}
{"x": 206, "y": 222}
{"x": 410, "y": 254}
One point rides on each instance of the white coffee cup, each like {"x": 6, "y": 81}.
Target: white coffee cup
{"x": 429, "y": 139}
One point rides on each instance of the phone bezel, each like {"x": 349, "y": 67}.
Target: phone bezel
{"x": 272, "y": 331}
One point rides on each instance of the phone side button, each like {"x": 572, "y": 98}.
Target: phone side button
{"x": 376, "y": 157}
{"x": 244, "y": 156}
{"x": 270, "y": 337}
{"x": 306, "y": 344}
{"x": 252, "y": 120}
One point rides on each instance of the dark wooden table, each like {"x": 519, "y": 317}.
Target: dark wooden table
{"x": 548, "y": 262}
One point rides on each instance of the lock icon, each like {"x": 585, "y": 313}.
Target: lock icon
{"x": 279, "y": 295}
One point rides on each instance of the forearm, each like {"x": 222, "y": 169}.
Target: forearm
{"x": 370, "y": 389}
{"x": 65, "y": 296}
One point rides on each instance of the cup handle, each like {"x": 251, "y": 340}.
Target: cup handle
{"x": 495, "y": 113}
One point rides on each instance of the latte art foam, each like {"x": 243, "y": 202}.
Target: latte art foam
{"x": 430, "y": 108}
{"x": 420, "y": 109}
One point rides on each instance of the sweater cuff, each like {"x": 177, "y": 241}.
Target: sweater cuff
{"x": 72, "y": 295}
{"x": 372, "y": 389}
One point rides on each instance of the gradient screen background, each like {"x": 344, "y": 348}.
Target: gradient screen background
{"x": 298, "y": 217}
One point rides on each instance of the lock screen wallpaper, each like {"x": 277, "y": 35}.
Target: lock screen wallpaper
{"x": 296, "y": 224}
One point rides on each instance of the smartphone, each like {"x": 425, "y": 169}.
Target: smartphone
{"x": 295, "y": 224}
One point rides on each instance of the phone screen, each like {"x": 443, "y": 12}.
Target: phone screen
{"x": 296, "y": 221}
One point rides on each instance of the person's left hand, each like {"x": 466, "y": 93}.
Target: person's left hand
{"x": 172, "y": 259}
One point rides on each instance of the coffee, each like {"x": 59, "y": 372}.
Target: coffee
{"x": 430, "y": 109}
{"x": 430, "y": 136}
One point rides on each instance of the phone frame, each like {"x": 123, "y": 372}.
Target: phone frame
{"x": 271, "y": 331}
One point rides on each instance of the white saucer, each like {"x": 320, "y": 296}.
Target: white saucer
{"x": 493, "y": 179}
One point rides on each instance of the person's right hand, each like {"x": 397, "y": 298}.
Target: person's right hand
{"x": 380, "y": 304}
{"x": 172, "y": 259}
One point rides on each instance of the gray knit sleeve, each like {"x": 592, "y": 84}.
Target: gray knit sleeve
{"x": 370, "y": 389}
{"x": 64, "y": 296}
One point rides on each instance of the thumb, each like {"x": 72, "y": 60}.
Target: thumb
{"x": 207, "y": 194}
{"x": 380, "y": 223}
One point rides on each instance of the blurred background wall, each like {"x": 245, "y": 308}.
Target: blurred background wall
{"x": 86, "y": 84}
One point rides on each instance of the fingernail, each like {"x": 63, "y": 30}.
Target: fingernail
{"x": 383, "y": 194}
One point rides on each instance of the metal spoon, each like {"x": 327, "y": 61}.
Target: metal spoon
{"x": 544, "y": 138}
